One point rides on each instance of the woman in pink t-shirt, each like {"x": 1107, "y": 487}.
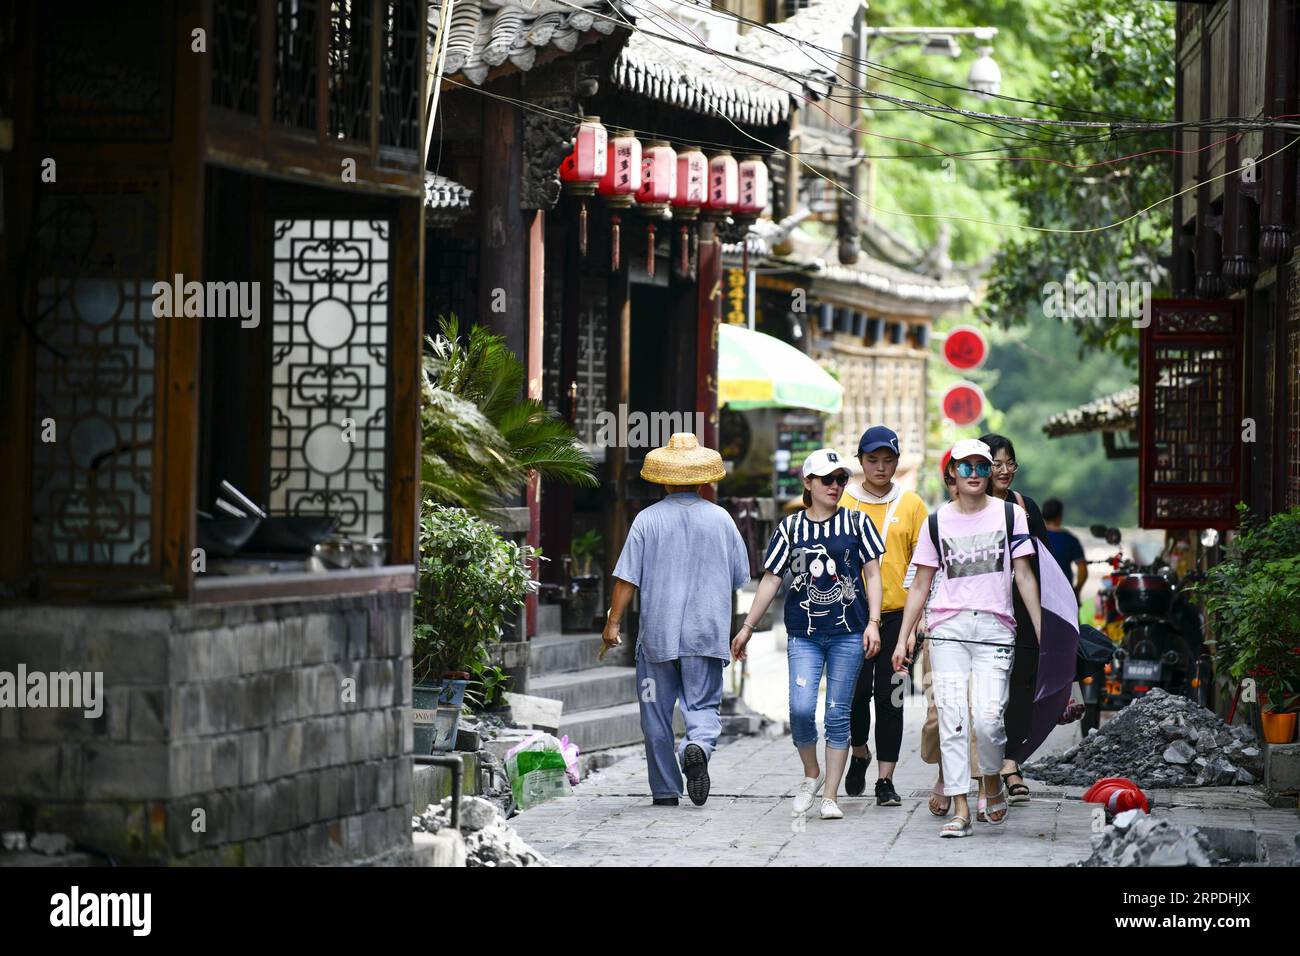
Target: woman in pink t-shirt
{"x": 972, "y": 625}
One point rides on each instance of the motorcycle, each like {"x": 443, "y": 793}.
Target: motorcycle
{"x": 1157, "y": 632}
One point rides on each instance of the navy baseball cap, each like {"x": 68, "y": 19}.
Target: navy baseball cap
{"x": 878, "y": 436}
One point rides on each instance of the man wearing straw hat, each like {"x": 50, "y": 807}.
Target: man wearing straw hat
{"x": 685, "y": 556}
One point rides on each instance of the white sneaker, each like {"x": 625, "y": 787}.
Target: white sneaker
{"x": 831, "y": 810}
{"x": 803, "y": 800}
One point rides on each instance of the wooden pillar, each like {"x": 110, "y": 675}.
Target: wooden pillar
{"x": 504, "y": 226}
{"x": 407, "y": 351}
{"x": 177, "y": 466}
{"x": 536, "y": 292}
{"x": 619, "y": 352}
{"x": 706, "y": 342}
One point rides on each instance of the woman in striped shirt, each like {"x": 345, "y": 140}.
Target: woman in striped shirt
{"x": 830, "y": 625}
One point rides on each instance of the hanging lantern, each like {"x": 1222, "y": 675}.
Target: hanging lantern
{"x": 583, "y": 169}
{"x": 658, "y": 189}
{"x": 619, "y": 184}
{"x": 724, "y": 185}
{"x": 689, "y": 198}
{"x": 752, "y": 198}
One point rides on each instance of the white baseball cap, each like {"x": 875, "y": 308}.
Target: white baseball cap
{"x": 824, "y": 461}
{"x": 971, "y": 446}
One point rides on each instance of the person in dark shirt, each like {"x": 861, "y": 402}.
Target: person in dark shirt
{"x": 1065, "y": 547}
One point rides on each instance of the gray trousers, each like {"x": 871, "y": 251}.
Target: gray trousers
{"x": 695, "y": 682}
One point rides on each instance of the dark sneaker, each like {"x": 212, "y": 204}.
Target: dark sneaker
{"x": 665, "y": 801}
{"x": 886, "y": 795}
{"x": 696, "y": 766}
{"x": 855, "y": 781}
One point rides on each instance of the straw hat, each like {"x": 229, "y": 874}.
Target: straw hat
{"x": 683, "y": 462}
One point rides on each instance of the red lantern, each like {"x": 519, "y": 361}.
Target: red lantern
{"x": 590, "y": 149}
{"x": 623, "y": 164}
{"x": 753, "y": 188}
{"x": 621, "y": 180}
{"x": 724, "y": 185}
{"x": 583, "y": 168}
{"x": 689, "y": 197}
{"x": 692, "y": 180}
{"x": 658, "y": 178}
{"x": 658, "y": 189}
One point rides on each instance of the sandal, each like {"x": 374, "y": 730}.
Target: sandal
{"x": 1016, "y": 792}
{"x": 935, "y": 796}
{"x": 981, "y": 805}
{"x": 956, "y": 827}
{"x": 998, "y": 800}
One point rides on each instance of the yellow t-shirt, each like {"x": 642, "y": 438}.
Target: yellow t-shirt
{"x": 905, "y": 529}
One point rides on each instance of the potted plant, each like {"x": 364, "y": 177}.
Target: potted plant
{"x": 471, "y": 582}
{"x": 1252, "y": 598}
{"x": 582, "y": 600}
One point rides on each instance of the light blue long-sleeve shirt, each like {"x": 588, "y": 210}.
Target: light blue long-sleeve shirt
{"x": 685, "y": 556}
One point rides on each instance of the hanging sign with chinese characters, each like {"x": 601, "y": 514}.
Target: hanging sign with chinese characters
{"x": 736, "y": 311}
{"x": 963, "y": 403}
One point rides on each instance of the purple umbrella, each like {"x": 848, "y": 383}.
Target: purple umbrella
{"x": 1056, "y": 654}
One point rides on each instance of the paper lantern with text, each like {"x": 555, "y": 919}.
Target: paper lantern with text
{"x": 963, "y": 403}
{"x": 658, "y": 189}
{"x": 582, "y": 170}
{"x": 724, "y": 185}
{"x": 688, "y": 199}
{"x": 965, "y": 348}
{"x": 619, "y": 184}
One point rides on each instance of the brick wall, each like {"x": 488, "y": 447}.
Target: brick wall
{"x": 237, "y": 711}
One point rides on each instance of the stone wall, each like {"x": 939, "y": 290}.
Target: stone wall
{"x": 241, "y": 712}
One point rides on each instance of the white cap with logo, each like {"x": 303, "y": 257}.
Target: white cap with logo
{"x": 824, "y": 461}
{"x": 971, "y": 446}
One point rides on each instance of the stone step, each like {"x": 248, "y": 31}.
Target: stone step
{"x": 561, "y": 653}
{"x": 587, "y": 689}
{"x": 615, "y": 726}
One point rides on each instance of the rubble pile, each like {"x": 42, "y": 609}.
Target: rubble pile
{"x": 1135, "y": 839}
{"x": 489, "y": 840}
{"x": 1159, "y": 740}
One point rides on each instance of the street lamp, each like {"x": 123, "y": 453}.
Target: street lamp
{"x": 985, "y": 77}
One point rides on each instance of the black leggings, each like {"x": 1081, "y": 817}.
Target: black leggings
{"x": 877, "y": 679}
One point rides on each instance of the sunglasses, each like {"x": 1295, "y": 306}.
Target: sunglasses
{"x": 837, "y": 478}
{"x": 965, "y": 469}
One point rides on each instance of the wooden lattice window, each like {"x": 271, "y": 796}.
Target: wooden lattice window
{"x": 95, "y": 378}
{"x": 1191, "y": 414}
{"x": 329, "y": 371}
{"x": 294, "y": 101}
{"x": 236, "y": 52}
{"x": 399, "y": 100}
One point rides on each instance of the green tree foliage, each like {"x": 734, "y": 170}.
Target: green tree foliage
{"x": 1111, "y": 56}
{"x": 480, "y": 438}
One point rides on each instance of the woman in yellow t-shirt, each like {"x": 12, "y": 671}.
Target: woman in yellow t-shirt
{"x": 899, "y": 517}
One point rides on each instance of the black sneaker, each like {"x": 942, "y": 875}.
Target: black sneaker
{"x": 696, "y": 765}
{"x": 855, "y": 781}
{"x": 886, "y": 795}
{"x": 665, "y": 801}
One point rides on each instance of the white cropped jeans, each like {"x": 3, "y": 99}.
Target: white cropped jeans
{"x": 979, "y": 673}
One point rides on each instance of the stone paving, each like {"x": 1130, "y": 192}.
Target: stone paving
{"x": 609, "y": 820}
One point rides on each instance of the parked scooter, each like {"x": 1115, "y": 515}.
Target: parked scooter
{"x": 1156, "y": 629}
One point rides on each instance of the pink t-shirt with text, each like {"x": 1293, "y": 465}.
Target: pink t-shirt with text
{"x": 976, "y": 574}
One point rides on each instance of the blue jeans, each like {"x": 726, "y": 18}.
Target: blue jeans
{"x": 840, "y": 657}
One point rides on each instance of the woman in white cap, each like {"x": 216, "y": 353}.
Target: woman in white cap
{"x": 972, "y": 623}
{"x": 829, "y": 623}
